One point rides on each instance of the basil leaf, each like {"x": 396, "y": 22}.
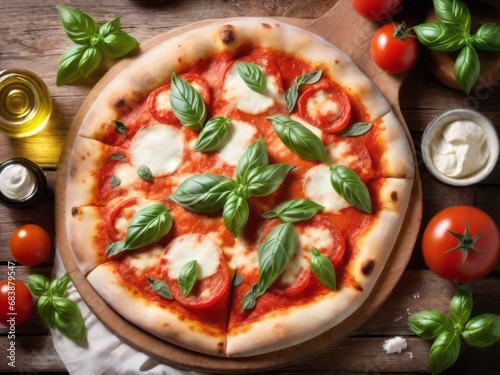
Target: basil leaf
{"x": 235, "y": 214}
{"x": 298, "y": 138}
{"x": 349, "y": 186}
{"x": 212, "y": 134}
{"x": 187, "y": 104}
{"x": 292, "y": 94}
{"x": 67, "y": 70}
{"x": 482, "y": 330}
{"x": 439, "y": 37}
{"x": 119, "y": 157}
{"x": 254, "y": 156}
{"x": 429, "y": 324}
{"x": 89, "y": 61}
{"x": 237, "y": 279}
{"x": 68, "y": 319}
{"x": 250, "y": 298}
{"x": 45, "y": 309}
{"x": 252, "y": 75}
{"x": 467, "y": 67}
{"x": 487, "y": 37}
{"x": 453, "y": 14}
{"x": 322, "y": 268}
{"x": 355, "y": 130}
{"x": 266, "y": 179}
{"x": 115, "y": 181}
{"x": 145, "y": 173}
{"x": 160, "y": 287}
{"x": 461, "y": 305}
{"x": 294, "y": 210}
{"x": 274, "y": 253}
{"x": 117, "y": 44}
{"x": 38, "y": 284}
{"x": 203, "y": 193}
{"x": 58, "y": 286}
{"x": 110, "y": 27}
{"x": 114, "y": 248}
{"x": 188, "y": 277}
{"x": 79, "y": 27}
{"x": 444, "y": 351}
{"x": 120, "y": 127}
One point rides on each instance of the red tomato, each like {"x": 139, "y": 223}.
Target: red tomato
{"x": 443, "y": 252}
{"x": 16, "y": 303}
{"x": 30, "y": 244}
{"x": 119, "y": 211}
{"x": 377, "y": 10}
{"x": 393, "y": 50}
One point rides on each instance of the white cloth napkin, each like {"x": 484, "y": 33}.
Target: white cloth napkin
{"x": 104, "y": 352}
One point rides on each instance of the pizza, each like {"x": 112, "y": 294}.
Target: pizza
{"x": 237, "y": 189}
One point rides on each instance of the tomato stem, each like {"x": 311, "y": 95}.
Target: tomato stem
{"x": 400, "y": 31}
{"x": 466, "y": 242}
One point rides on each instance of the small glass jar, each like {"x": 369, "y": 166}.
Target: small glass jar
{"x": 25, "y": 103}
{"x": 22, "y": 183}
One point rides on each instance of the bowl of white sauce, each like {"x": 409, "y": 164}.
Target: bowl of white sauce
{"x": 460, "y": 147}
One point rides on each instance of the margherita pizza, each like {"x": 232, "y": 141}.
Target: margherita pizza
{"x": 233, "y": 182}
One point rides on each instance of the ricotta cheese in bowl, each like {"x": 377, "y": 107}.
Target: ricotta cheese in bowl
{"x": 460, "y": 147}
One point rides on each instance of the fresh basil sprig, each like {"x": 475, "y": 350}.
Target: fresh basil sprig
{"x": 252, "y": 75}
{"x": 212, "y": 134}
{"x": 322, "y": 268}
{"x": 188, "y": 277}
{"x": 349, "y": 186}
{"x": 55, "y": 309}
{"x": 160, "y": 287}
{"x": 300, "y": 140}
{"x": 480, "y": 331}
{"x": 452, "y": 32}
{"x": 92, "y": 43}
{"x": 355, "y": 130}
{"x": 294, "y": 210}
{"x": 148, "y": 225}
{"x": 254, "y": 156}
{"x": 292, "y": 94}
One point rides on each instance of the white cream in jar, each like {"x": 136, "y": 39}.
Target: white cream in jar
{"x": 16, "y": 181}
{"x": 460, "y": 150}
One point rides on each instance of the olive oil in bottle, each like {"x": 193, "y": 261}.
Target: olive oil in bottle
{"x": 25, "y": 103}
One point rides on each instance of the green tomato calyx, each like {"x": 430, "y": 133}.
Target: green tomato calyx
{"x": 466, "y": 243}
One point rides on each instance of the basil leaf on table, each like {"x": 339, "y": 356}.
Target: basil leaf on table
{"x": 299, "y": 139}
{"x": 67, "y": 70}
{"x": 110, "y": 27}
{"x": 461, "y": 305}
{"x": 487, "y": 37}
{"x": 252, "y": 75}
{"x": 79, "y": 27}
{"x": 235, "y": 214}
{"x": 68, "y": 319}
{"x": 453, "y": 14}
{"x": 212, "y": 134}
{"x": 254, "y": 156}
{"x": 355, "y": 130}
{"x": 160, "y": 287}
{"x": 187, "y": 104}
{"x": 203, "y": 193}
{"x": 266, "y": 179}
{"x": 482, "y": 330}
{"x": 38, "y": 284}
{"x": 117, "y": 44}
{"x": 292, "y": 94}
{"x": 467, "y": 68}
{"x": 322, "y": 268}
{"x": 439, "y": 37}
{"x": 58, "y": 286}
{"x": 349, "y": 186}
{"x": 188, "y": 277}
{"x": 145, "y": 173}
{"x": 429, "y": 324}
{"x": 444, "y": 351}
{"x": 294, "y": 210}
{"x": 91, "y": 58}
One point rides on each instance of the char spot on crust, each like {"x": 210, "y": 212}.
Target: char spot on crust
{"x": 368, "y": 267}
{"x": 394, "y": 196}
{"x": 74, "y": 211}
{"x": 220, "y": 348}
{"x": 227, "y": 34}
{"x": 266, "y": 26}
{"x": 120, "y": 103}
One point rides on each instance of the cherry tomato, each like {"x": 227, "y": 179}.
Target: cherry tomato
{"x": 377, "y": 10}
{"x": 461, "y": 244}
{"x": 393, "y": 50}
{"x": 30, "y": 245}
{"x": 122, "y": 210}
{"x": 16, "y": 303}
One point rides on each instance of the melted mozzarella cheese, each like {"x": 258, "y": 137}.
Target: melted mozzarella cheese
{"x": 242, "y": 97}
{"x": 143, "y": 261}
{"x": 191, "y": 247}
{"x": 159, "y": 147}
{"x": 241, "y": 135}
{"x": 122, "y": 221}
{"x": 242, "y": 256}
{"x": 127, "y": 175}
{"x": 162, "y": 101}
{"x": 317, "y": 131}
{"x": 317, "y": 187}
{"x": 320, "y": 105}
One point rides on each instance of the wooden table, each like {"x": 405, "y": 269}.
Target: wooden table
{"x": 32, "y": 38}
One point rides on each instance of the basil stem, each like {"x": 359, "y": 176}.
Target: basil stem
{"x": 429, "y": 324}
{"x": 467, "y": 67}
{"x": 349, "y": 186}
{"x": 300, "y": 140}
{"x": 453, "y": 14}
{"x": 203, "y": 193}
{"x": 444, "y": 351}
{"x": 67, "y": 70}
{"x": 322, "y": 268}
{"x": 145, "y": 173}
{"x": 160, "y": 287}
{"x": 461, "y": 305}
{"x": 235, "y": 214}
{"x": 355, "y": 130}
{"x": 292, "y": 94}
{"x": 482, "y": 330}
{"x": 266, "y": 179}
{"x": 38, "y": 284}
{"x": 79, "y": 27}
{"x": 254, "y": 156}
{"x": 188, "y": 277}
{"x": 252, "y": 75}
{"x": 214, "y": 131}
{"x": 187, "y": 104}
{"x": 487, "y": 37}
{"x": 294, "y": 210}
{"x": 68, "y": 319}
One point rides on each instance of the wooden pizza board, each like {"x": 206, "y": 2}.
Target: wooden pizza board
{"x": 347, "y": 30}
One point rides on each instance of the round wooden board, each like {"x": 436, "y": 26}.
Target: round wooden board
{"x": 354, "y": 43}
